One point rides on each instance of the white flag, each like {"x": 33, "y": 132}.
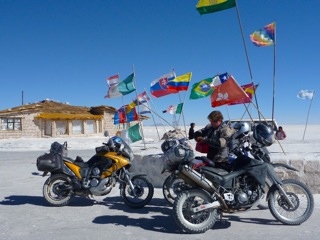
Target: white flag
{"x": 305, "y": 94}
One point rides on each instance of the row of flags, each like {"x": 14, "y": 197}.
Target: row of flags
{"x": 223, "y": 89}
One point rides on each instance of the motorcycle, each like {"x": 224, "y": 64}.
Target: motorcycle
{"x": 214, "y": 191}
{"x": 240, "y": 141}
{"x": 96, "y": 177}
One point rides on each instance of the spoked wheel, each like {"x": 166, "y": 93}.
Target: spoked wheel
{"x": 140, "y": 195}
{"x": 301, "y": 199}
{"x": 57, "y": 190}
{"x": 172, "y": 186}
{"x": 263, "y": 200}
{"x": 187, "y": 218}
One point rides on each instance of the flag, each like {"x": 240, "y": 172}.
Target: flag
{"x": 264, "y": 37}
{"x": 130, "y": 106}
{"x": 180, "y": 83}
{"x": 121, "y": 116}
{"x": 249, "y": 90}
{"x": 201, "y": 89}
{"x": 142, "y": 98}
{"x": 134, "y": 133}
{"x": 126, "y": 86}
{"x": 113, "y": 92}
{"x": 227, "y": 92}
{"x": 305, "y": 94}
{"x": 219, "y": 79}
{"x": 144, "y": 107}
{"x": 122, "y": 88}
{"x": 175, "y": 109}
{"x": 211, "y": 6}
{"x": 113, "y": 80}
{"x": 158, "y": 88}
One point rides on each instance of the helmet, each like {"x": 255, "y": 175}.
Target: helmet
{"x": 169, "y": 143}
{"x": 116, "y": 142}
{"x": 179, "y": 153}
{"x": 263, "y": 134}
{"x": 242, "y": 129}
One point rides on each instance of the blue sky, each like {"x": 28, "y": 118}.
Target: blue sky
{"x": 64, "y": 51}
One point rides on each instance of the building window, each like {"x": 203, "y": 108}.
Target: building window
{"x": 77, "y": 127}
{"x": 48, "y": 128}
{"x": 90, "y": 126}
{"x": 11, "y": 124}
{"x": 61, "y": 127}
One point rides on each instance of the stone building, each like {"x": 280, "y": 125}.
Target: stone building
{"x": 53, "y": 119}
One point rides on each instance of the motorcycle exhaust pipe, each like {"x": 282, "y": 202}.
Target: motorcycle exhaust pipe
{"x": 198, "y": 179}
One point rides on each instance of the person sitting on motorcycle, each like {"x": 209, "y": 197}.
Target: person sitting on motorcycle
{"x": 216, "y": 134}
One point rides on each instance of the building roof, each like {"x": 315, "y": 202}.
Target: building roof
{"x": 52, "y": 107}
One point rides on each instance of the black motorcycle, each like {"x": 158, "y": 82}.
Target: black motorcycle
{"x": 214, "y": 191}
{"x": 240, "y": 141}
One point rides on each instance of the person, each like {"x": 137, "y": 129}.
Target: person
{"x": 280, "y": 133}
{"x": 191, "y": 131}
{"x": 217, "y": 135}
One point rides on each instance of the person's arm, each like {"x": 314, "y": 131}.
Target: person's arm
{"x": 284, "y": 134}
{"x": 199, "y": 134}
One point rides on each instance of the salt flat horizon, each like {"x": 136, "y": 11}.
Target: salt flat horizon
{"x": 292, "y": 148}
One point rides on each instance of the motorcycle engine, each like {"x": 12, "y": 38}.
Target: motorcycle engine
{"x": 95, "y": 174}
{"x": 245, "y": 193}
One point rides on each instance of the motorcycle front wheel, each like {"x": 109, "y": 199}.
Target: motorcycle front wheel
{"x": 190, "y": 221}
{"x": 140, "y": 195}
{"x": 300, "y": 197}
{"x": 57, "y": 190}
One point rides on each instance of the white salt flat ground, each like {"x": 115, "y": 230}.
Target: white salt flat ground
{"x": 25, "y": 215}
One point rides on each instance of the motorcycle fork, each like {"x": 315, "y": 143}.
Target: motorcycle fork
{"x": 284, "y": 195}
{"x": 126, "y": 173}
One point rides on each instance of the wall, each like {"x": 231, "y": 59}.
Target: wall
{"x": 309, "y": 171}
{"x": 29, "y": 126}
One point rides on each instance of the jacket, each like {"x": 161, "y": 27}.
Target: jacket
{"x": 218, "y": 141}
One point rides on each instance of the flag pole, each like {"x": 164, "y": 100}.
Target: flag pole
{"x": 153, "y": 118}
{"x": 274, "y": 71}
{"x": 305, "y": 128}
{"x": 139, "y": 120}
{"x": 157, "y": 114}
{"x": 245, "y": 48}
{"x": 184, "y": 123}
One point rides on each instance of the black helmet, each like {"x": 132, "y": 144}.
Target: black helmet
{"x": 263, "y": 134}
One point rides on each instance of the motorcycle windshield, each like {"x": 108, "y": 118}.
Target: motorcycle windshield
{"x": 126, "y": 150}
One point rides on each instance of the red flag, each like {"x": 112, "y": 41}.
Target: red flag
{"x": 249, "y": 90}
{"x": 226, "y": 93}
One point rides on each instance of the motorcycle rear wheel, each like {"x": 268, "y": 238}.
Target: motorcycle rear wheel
{"x": 301, "y": 198}
{"x": 57, "y": 190}
{"x": 194, "y": 222}
{"x": 141, "y": 194}
{"x": 172, "y": 186}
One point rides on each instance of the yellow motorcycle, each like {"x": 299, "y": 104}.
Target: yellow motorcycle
{"x": 96, "y": 177}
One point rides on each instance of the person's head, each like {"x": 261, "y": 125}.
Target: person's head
{"x": 215, "y": 118}
{"x": 279, "y": 128}
{"x": 192, "y": 125}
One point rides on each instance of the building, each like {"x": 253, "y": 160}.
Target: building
{"x": 53, "y": 119}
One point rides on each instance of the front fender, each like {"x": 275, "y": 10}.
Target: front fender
{"x": 134, "y": 174}
{"x": 285, "y": 166}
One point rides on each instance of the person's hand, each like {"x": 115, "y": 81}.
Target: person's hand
{"x": 204, "y": 140}
{"x": 199, "y": 139}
